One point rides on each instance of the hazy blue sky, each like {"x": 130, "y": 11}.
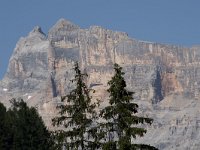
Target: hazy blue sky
{"x": 165, "y": 21}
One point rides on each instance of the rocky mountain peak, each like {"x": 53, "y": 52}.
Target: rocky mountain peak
{"x": 37, "y": 31}
{"x": 63, "y": 24}
{"x": 61, "y": 29}
{"x": 34, "y": 41}
{"x": 165, "y": 78}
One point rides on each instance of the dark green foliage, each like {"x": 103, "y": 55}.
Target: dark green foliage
{"x": 76, "y": 117}
{"x": 120, "y": 118}
{"x": 2, "y": 125}
{"x": 25, "y": 129}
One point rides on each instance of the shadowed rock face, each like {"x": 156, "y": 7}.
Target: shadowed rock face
{"x": 165, "y": 78}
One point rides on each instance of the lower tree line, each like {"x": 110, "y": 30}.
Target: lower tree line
{"x": 81, "y": 127}
{"x": 21, "y": 128}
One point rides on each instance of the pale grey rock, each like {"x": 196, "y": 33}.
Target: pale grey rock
{"x": 165, "y": 78}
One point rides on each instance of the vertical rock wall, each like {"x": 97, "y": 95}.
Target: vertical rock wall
{"x": 165, "y": 78}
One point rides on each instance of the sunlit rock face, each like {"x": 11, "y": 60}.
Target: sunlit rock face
{"x": 165, "y": 78}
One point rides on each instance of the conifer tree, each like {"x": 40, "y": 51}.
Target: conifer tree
{"x": 24, "y": 128}
{"x": 29, "y": 130}
{"x": 120, "y": 116}
{"x": 3, "y": 131}
{"x": 76, "y": 117}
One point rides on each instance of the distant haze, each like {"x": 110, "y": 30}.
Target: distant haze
{"x": 174, "y": 22}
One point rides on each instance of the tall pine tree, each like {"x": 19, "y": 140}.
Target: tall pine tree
{"x": 76, "y": 117}
{"x": 120, "y": 116}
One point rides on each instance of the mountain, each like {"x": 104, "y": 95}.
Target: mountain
{"x": 165, "y": 78}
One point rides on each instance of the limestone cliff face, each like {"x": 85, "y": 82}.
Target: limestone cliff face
{"x": 165, "y": 78}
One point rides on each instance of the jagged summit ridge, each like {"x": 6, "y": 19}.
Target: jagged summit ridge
{"x": 37, "y": 33}
{"x": 63, "y": 23}
{"x": 165, "y": 78}
{"x": 37, "y": 30}
{"x": 62, "y": 27}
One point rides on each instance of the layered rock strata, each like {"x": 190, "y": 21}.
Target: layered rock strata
{"x": 165, "y": 78}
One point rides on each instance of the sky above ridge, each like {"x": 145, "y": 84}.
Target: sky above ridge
{"x": 164, "y": 21}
